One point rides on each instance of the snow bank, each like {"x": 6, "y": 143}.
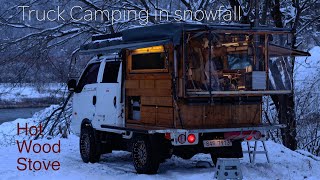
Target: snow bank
{"x": 8, "y": 130}
{"x": 285, "y": 164}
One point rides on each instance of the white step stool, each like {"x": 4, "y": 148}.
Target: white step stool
{"x": 228, "y": 168}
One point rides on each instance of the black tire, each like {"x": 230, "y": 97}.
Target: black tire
{"x": 145, "y": 160}
{"x": 88, "y": 147}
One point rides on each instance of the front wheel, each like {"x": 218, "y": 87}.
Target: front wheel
{"x": 145, "y": 159}
{"x": 88, "y": 147}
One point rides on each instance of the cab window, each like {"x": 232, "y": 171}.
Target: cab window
{"x": 89, "y": 76}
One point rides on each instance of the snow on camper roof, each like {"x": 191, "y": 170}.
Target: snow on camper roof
{"x": 160, "y": 34}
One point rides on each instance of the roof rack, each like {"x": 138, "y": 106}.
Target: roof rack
{"x": 106, "y": 36}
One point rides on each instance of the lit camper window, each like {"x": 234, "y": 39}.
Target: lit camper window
{"x": 151, "y": 59}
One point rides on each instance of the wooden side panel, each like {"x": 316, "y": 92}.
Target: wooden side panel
{"x": 254, "y": 113}
{"x": 148, "y": 92}
{"x": 191, "y": 116}
{"x": 163, "y": 84}
{"x": 165, "y": 116}
{"x": 148, "y": 115}
{"x": 154, "y": 76}
{"x": 132, "y": 84}
{"x": 219, "y": 116}
{"x": 154, "y": 90}
{"x": 147, "y": 84}
{"x": 157, "y": 101}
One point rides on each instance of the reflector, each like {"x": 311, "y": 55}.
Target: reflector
{"x": 182, "y": 138}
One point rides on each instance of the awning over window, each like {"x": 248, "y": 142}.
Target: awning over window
{"x": 275, "y": 50}
{"x": 108, "y": 47}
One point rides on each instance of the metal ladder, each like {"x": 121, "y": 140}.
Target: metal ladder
{"x": 252, "y": 152}
{"x": 228, "y": 168}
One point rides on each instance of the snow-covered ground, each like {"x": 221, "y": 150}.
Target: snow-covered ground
{"x": 285, "y": 164}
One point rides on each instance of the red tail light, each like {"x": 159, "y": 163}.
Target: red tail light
{"x": 191, "y": 138}
{"x": 167, "y": 136}
{"x": 249, "y": 138}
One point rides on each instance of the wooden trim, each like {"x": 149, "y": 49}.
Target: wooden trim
{"x": 148, "y": 92}
{"x": 157, "y": 101}
{"x": 146, "y": 84}
{"x": 154, "y": 76}
{"x": 149, "y": 84}
{"x": 148, "y": 71}
{"x": 240, "y": 92}
{"x": 132, "y": 84}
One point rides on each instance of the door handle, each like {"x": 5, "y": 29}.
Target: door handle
{"x": 115, "y": 101}
{"x": 94, "y": 100}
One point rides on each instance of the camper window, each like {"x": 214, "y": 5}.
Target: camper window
{"x": 223, "y": 63}
{"x": 151, "y": 59}
{"x": 148, "y": 61}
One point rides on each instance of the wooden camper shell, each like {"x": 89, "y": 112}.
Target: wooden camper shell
{"x": 160, "y": 107}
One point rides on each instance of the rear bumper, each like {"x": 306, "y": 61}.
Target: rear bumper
{"x": 264, "y": 127}
{"x": 153, "y": 130}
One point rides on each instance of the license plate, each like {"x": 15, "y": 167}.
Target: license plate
{"x": 216, "y": 143}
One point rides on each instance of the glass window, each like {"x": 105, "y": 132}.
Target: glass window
{"x": 224, "y": 64}
{"x": 111, "y": 72}
{"x": 238, "y": 61}
{"x": 148, "y": 61}
{"x": 89, "y": 76}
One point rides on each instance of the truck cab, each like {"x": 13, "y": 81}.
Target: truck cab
{"x": 98, "y": 97}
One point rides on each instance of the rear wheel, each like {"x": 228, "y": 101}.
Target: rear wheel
{"x": 88, "y": 147}
{"x": 144, "y": 156}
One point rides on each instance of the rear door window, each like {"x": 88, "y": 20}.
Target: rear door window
{"x": 111, "y": 72}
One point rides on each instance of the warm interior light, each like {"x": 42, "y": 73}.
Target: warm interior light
{"x": 191, "y": 138}
{"x": 153, "y": 49}
{"x": 230, "y": 44}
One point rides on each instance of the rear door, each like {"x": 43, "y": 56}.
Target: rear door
{"x": 85, "y": 96}
{"x": 110, "y": 106}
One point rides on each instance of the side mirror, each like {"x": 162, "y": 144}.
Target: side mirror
{"x": 72, "y": 84}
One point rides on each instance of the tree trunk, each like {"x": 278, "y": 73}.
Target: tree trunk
{"x": 285, "y": 103}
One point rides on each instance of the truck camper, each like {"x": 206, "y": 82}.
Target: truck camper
{"x": 177, "y": 89}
